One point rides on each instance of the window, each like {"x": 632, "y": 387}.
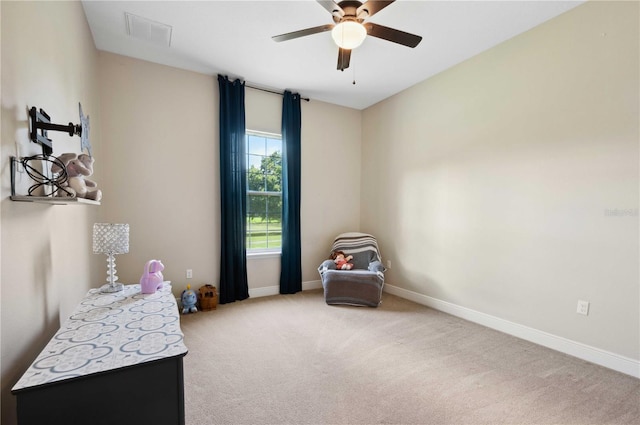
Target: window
{"x": 264, "y": 191}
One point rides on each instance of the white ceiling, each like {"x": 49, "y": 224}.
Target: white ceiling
{"x": 234, "y": 38}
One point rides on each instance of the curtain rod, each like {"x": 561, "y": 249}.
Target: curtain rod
{"x": 272, "y": 91}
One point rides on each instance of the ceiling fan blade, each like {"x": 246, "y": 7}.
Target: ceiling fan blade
{"x": 393, "y": 35}
{"x": 373, "y": 6}
{"x": 344, "y": 57}
{"x": 332, "y": 8}
{"x": 302, "y": 33}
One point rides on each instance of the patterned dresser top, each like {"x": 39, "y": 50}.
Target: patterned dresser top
{"x": 107, "y": 332}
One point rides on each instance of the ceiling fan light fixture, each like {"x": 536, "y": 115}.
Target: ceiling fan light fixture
{"x": 349, "y": 34}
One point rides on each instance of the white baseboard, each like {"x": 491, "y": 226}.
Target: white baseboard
{"x": 312, "y": 284}
{"x": 576, "y": 349}
{"x": 275, "y": 290}
{"x": 264, "y": 291}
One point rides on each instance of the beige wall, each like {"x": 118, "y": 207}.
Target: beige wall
{"x": 161, "y": 148}
{"x": 46, "y": 250}
{"x": 492, "y": 185}
{"x": 331, "y": 166}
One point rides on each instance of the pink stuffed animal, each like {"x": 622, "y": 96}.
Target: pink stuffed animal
{"x": 152, "y": 278}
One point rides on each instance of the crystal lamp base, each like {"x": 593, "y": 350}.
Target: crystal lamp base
{"x": 108, "y": 288}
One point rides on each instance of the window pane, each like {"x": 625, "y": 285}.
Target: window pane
{"x": 255, "y": 180}
{"x": 257, "y": 206}
{"x": 254, "y": 161}
{"x": 256, "y": 145}
{"x": 273, "y": 145}
{"x": 274, "y": 204}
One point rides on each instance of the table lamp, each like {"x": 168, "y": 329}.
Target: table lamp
{"x": 111, "y": 239}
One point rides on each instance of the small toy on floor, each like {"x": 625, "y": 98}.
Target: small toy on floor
{"x": 208, "y": 297}
{"x": 189, "y": 300}
{"x": 342, "y": 261}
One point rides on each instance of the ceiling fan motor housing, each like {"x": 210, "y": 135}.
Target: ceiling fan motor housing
{"x": 349, "y": 12}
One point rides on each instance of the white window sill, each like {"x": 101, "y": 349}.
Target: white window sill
{"x": 263, "y": 254}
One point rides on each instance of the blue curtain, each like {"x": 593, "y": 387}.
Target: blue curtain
{"x": 291, "y": 267}
{"x": 233, "y": 192}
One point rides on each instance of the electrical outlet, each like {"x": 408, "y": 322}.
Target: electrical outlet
{"x": 388, "y": 264}
{"x": 189, "y": 273}
{"x": 583, "y": 307}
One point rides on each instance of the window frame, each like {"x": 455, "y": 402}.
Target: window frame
{"x": 261, "y": 252}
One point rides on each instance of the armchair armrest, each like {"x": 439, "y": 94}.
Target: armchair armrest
{"x": 327, "y": 265}
{"x": 377, "y": 266}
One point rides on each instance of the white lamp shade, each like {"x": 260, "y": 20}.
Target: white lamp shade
{"x": 349, "y": 35}
{"x": 110, "y": 238}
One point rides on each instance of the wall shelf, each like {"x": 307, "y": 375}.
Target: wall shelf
{"x": 54, "y": 200}
{"x": 41, "y": 180}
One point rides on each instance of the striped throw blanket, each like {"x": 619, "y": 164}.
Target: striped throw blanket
{"x": 363, "y": 247}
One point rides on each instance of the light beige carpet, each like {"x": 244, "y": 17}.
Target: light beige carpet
{"x": 292, "y": 359}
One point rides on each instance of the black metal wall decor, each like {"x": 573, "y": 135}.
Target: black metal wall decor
{"x": 41, "y": 123}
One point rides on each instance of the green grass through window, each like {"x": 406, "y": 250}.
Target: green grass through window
{"x": 262, "y": 234}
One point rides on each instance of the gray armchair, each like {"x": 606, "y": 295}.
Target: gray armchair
{"x": 362, "y": 285}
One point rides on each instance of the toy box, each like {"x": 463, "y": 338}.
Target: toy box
{"x": 208, "y": 297}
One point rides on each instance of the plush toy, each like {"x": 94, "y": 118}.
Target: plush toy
{"x": 152, "y": 278}
{"x": 189, "y": 300}
{"x": 342, "y": 261}
{"x": 78, "y": 167}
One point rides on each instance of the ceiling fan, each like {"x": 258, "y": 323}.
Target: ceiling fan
{"x": 350, "y": 28}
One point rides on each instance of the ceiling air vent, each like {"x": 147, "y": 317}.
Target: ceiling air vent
{"x": 148, "y": 30}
